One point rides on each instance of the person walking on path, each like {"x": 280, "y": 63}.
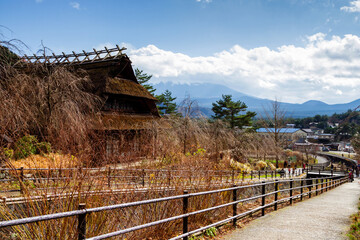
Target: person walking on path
{"x": 351, "y": 176}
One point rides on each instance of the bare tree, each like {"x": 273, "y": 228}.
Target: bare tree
{"x": 188, "y": 108}
{"x": 274, "y": 121}
{"x": 54, "y": 104}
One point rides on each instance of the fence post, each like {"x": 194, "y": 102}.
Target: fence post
{"x": 332, "y": 172}
{"x": 316, "y": 186}
{"x": 263, "y": 191}
{"x": 251, "y": 174}
{"x": 82, "y": 222}
{"x": 243, "y": 175}
{"x": 291, "y": 191}
{"x": 310, "y": 187}
{"x": 21, "y": 180}
{"x": 169, "y": 177}
{"x": 143, "y": 178}
{"x": 322, "y": 185}
{"x": 234, "y": 205}
{"x": 265, "y": 174}
{"x": 233, "y": 176}
{"x": 259, "y": 173}
{"x": 301, "y": 189}
{"x": 276, "y": 194}
{"x": 109, "y": 175}
{"x": 185, "y": 210}
{"x": 272, "y": 174}
{"x": 326, "y": 185}
{"x": 190, "y": 177}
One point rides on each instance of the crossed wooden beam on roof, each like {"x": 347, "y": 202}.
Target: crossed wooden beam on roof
{"x": 75, "y": 58}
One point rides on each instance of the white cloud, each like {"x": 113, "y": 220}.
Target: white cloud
{"x": 354, "y": 7}
{"x": 323, "y": 69}
{"x": 75, "y": 5}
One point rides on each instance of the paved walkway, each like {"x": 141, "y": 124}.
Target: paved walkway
{"x": 322, "y": 217}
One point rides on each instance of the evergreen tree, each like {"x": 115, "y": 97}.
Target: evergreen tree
{"x": 229, "y": 111}
{"x": 143, "y": 79}
{"x": 166, "y": 104}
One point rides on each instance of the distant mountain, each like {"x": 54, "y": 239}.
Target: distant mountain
{"x": 206, "y": 94}
{"x": 198, "y": 91}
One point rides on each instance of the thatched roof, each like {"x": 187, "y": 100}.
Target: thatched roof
{"x": 110, "y": 121}
{"x": 127, "y": 87}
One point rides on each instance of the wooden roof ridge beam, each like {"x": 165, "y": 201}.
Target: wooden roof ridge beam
{"x": 86, "y": 57}
{"x": 76, "y": 57}
{"x": 119, "y": 50}
{"x": 97, "y": 55}
{"x": 65, "y": 58}
{"x": 37, "y": 59}
{"x": 28, "y": 59}
{"x": 47, "y": 58}
{"x": 56, "y": 59}
{"x": 108, "y": 53}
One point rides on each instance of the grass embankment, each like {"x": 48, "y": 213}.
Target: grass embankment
{"x": 354, "y": 232}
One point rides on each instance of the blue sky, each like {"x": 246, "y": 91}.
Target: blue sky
{"x": 294, "y": 50}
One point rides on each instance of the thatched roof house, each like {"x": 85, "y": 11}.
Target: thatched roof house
{"x": 129, "y": 112}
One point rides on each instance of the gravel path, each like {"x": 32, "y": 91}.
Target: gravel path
{"x": 323, "y": 217}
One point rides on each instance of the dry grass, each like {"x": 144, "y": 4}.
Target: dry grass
{"x": 74, "y": 192}
{"x": 51, "y": 161}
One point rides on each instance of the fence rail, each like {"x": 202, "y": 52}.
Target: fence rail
{"x": 307, "y": 187}
{"x": 113, "y": 178}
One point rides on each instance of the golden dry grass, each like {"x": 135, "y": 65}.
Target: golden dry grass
{"x": 51, "y": 160}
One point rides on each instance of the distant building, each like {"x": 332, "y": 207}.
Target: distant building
{"x": 321, "y": 137}
{"x": 308, "y": 147}
{"x": 286, "y": 135}
{"x": 309, "y": 132}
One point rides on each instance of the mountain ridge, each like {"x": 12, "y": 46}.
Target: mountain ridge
{"x": 206, "y": 94}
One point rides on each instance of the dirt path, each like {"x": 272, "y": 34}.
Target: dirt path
{"x": 322, "y": 217}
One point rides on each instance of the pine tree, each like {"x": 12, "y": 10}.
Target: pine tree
{"x": 229, "y": 111}
{"x": 143, "y": 79}
{"x": 166, "y": 104}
